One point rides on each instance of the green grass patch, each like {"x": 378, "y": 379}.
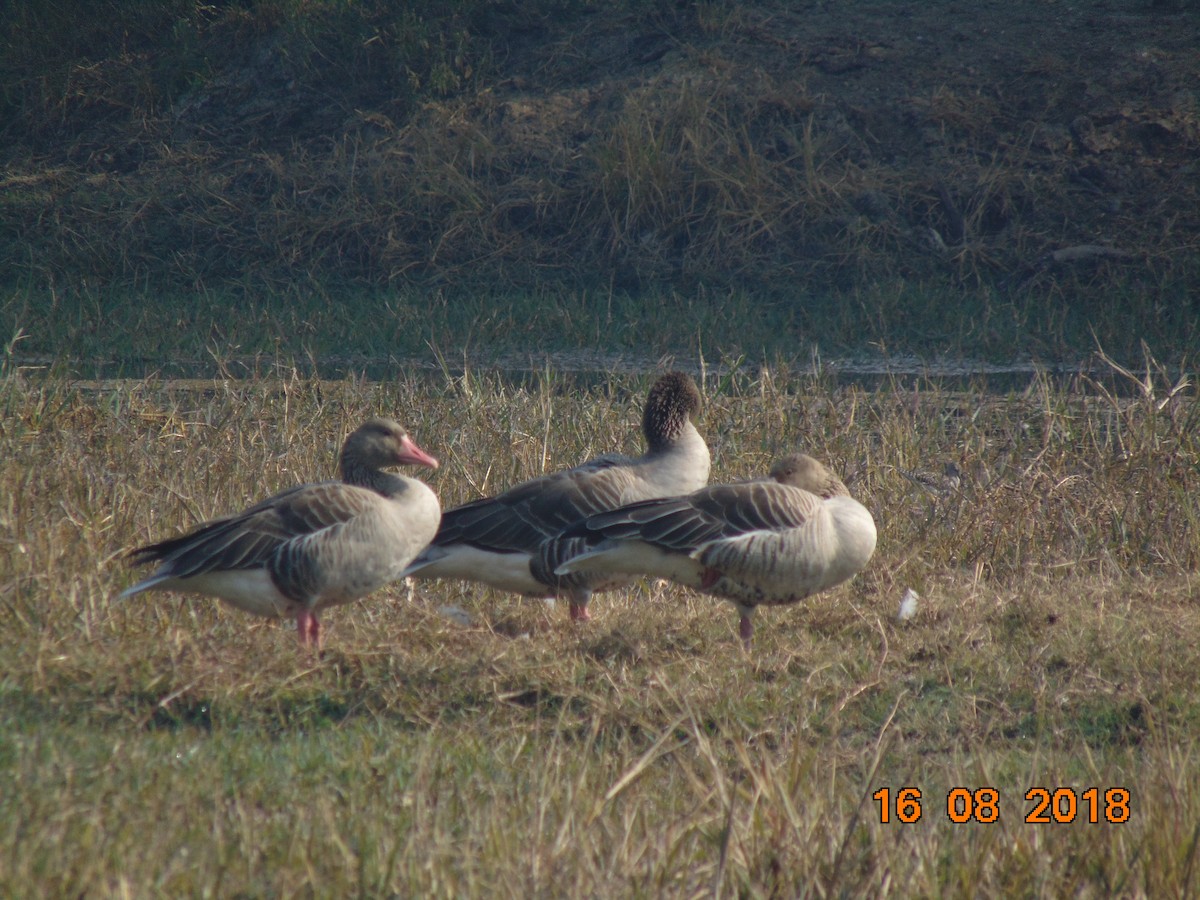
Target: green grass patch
{"x": 119, "y": 332}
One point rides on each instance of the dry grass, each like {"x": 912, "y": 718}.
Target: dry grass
{"x": 631, "y": 146}
{"x": 171, "y": 746}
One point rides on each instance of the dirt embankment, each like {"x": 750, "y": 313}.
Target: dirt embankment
{"x": 1007, "y": 143}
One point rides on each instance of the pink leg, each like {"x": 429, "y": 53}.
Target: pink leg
{"x": 746, "y": 629}
{"x": 578, "y": 601}
{"x": 309, "y": 628}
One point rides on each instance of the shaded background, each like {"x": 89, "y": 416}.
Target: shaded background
{"x": 998, "y": 179}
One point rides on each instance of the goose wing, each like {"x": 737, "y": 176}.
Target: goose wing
{"x": 719, "y": 512}
{"x": 521, "y": 518}
{"x": 250, "y": 538}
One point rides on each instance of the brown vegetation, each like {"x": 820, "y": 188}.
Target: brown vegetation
{"x": 629, "y": 145}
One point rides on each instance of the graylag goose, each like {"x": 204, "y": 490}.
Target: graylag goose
{"x": 313, "y": 546}
{"x": 770, "y": 542}
{"x": 498, "y": 540}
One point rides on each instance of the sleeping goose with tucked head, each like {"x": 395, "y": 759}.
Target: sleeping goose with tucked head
{"x": 313, "y": 546}
{"x": 770, "y": 542}
{"x": 498, "y": 540}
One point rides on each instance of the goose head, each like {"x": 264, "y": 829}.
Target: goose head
{"x": 802, "y": 471}
{"x": 378, "y": 443}
{"x": 672, "y": 403}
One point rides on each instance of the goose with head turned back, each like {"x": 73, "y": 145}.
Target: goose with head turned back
{"x": 770, "y": 542}
{"x": 498, "y": 540}
{"x": 313, "y": 546}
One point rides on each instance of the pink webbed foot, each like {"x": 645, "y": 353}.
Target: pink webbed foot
{"x": 579, "y": 613}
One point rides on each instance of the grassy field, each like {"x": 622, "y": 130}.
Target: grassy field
{"x": 169, "y": 746}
